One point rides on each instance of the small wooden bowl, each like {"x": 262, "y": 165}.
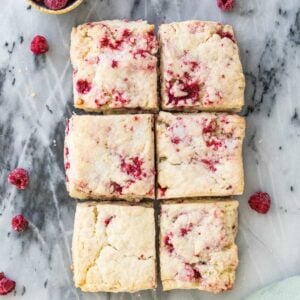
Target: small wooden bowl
{"x": 46, "y": 10}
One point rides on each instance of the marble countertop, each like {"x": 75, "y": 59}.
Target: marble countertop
{"x": 36, "y": 97}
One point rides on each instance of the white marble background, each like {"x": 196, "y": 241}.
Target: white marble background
{"x": 31, "y": 136}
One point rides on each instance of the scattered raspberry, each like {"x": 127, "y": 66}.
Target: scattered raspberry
{"x": 260, "y": 202}
{"x": 19, "y": 223}
{"x": 19, "y": 177}
{"x": 83, "y": 86}
{"x": 39, "y": 45}
{"x": 115, "y": 44}
{"x": 6, "y": 285}
{"x": 55, "y": 4}
{"x": 167, "y": 242}
{"x": 225, "y": 5}
{"x": 210, "y": 164}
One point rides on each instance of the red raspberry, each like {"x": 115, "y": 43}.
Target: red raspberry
{"x": 225, "y": 5}
{"x": 260, "y": 202}
{"x": 83, "y": 86}
{"x": 6, "y": 285}
{"x": 19, "y": 223}
{"x": 19, "y": 177}
{"x": 39, "y": 45}
{"x": 55, "y": 4}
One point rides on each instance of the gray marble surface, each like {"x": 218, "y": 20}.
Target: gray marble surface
{"x": 36, "y": 97}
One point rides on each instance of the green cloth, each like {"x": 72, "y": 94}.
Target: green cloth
{"x": 288, "y": 289}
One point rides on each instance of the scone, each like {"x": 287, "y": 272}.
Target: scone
{"x": 110, "y": 157}
{"x": 197, "y": 245}
{"x": 200, "y": 67}
{"x": 199, "y": 154}
{"x": 114, "y": 248}
{"x": 114, "y": 66}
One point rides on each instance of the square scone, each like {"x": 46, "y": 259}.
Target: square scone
{"x": 114, "y": 247}
{"x": 197, "y": 245}
{"x": 114, "y": 66}
{"x": 200, "y": 67}
{"x": 110, "y": 156}
{"x": 199, "y": 154}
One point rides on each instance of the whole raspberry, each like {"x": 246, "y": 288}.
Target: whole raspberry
{"x": 225, "y": 5}
{"x": 19, "y": 177}
{"x": 19, "y": 223}
{"x": 260, "y": 202}
{"x": 55, "y": 4}
{"x": 39, "y": 45}
{"x": 83, "y": 86}
{"x": 6, "y": 285}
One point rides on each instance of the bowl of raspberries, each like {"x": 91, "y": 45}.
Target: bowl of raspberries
{"x": 55, "y": 7}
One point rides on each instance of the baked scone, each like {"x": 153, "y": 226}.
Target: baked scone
{"x": 114, "y": 66}
{"x": 200, "y": 67}
{"x": 110, "y": 156}
{"x": 114, "y": 247}
{"x": 197, "y": 245}
{"x": 199, "y": 154}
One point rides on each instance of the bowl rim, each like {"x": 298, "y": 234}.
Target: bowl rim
{"x": 55, "y": 12}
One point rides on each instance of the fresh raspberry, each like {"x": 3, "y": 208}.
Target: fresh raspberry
{"x": 83, "y": 86}
{"x": 19, "y": 177}
{"x": 225, "y": 5}
{"x": 19, "y": 223}
{"x": 6, "y": 285}
{"x": 55, "y": 4}
{"x": 39, "y": 45}
{"x": 260, "y": 202}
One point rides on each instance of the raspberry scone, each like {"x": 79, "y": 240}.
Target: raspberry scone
{"x": 199, "y": 154}
{"x": 114, "y": 247}
{"x": 110, "y": 156}
{"x": 197, "y": 245}
{"x": 200, "y": 67}
{"x": 114, "y": 66}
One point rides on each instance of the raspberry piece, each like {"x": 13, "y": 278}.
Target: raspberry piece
{"x": 192, "y": 274}
{"x": 19, "y": 223}
{"x": 108, "y": 220}
{"x": 227, "y": 35}
{"x": 210, "y": 164}
{"x": 6, "y": 285}
{"x": 39, "y": 45}
{"x": 83, "y": 86}
{"x": 55, "y": 4}
{"x": 225, "y": 5}
{"x": 132, "y": 168}
{"x": 167, "y": 242}
{"x": 188, "y": 91}
{"x": 19, "y": 177}
{"x": 260, "y": 202}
